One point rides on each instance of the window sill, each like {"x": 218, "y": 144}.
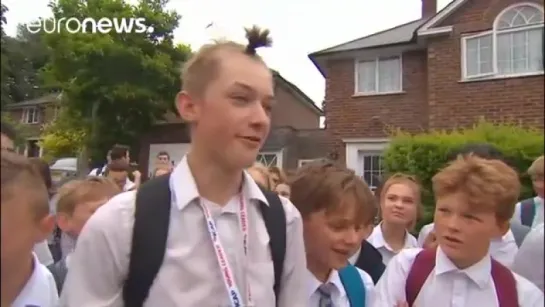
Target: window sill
{"x": 490, "y": 78}
{"x": 377, "y": 94}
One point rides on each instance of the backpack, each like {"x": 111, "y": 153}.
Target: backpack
{"x": 149, "y": 237}
{"x": 527, "y": 212}
{"x": 424, "y": 263}
{"x": 353, "y": 285}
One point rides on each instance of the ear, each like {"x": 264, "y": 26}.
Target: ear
{"x": 504, "y": 228}
{"x": 187, "y": 107}
{"x": 64, "y": 222}
{"x": 45, "y": 226}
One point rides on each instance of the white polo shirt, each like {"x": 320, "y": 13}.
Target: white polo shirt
{"x": 40, "y": 290}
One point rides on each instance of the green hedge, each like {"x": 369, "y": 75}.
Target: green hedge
{"x": 424, "y": 154}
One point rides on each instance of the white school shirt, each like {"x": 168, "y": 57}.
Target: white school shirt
{"x": 40, "y": 290}
{"x": 538, "y": 217}
{"x": 448, "y": 286}
{"x": 128, "y": 183}
{"x": 43, "y": 254}
{"x": 377, "y": 240}
{"x": 190, "y": 275}
{"x": 339, "y": 296}
{"x": 503, "y": 249}
{"x": 529, "y": 259}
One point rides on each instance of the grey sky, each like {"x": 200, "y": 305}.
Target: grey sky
{"x": 298, "y": 27}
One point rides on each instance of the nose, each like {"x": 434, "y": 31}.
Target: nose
{"x": 260, "y": 116}
{"x": 453, "y": 223}
{"x": 352, "y": 236}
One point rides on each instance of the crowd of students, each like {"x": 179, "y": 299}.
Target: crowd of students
{"x": 219, "y": 229}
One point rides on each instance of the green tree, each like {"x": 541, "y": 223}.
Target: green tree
{"x": 120, "y": 83}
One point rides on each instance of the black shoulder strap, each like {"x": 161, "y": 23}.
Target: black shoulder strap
{"x": 149, "y": 239}
{"x": 275, "y": 221}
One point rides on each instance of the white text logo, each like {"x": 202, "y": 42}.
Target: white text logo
{"x": 90, "y": 25}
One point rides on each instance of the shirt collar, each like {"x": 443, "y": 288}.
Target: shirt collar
{"x": 478, "y": 273}
{"x": 377, "y": 239}
{"x": 184, "y": 189}
{"x": 354, "y": 258}
{"x": 333, "y": 279}
{"x": 33, "y": 292}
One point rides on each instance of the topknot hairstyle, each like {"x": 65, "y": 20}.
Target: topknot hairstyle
{"x": 257, "y": 38}
{"x": 204, "y": 65}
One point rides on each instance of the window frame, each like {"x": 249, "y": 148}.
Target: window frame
{"x": 494, "y": 33}
{"x": 278, "y": 155}
{"x": 25, "y": 118}
{"x": 376, "y": 61}
{"x": 370, "y": 153}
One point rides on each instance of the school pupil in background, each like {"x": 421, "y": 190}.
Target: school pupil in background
{"x": 334, "y": 204}
{"x": 400, "y": 209}
{"x": 283, "y": 189}
{"x": 277, "y": 176}
{"x": 25, "y": 221}
{"x": 530, "y": 212}
{"x": 260, "y": 173}
{"x": 77, "y": 202}
{"x": 474, "y": 202}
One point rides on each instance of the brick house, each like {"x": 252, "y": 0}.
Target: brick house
{"x": 295, "y": 135}
{"x": 32, "y": 115}
{"x": 447, "y": 69}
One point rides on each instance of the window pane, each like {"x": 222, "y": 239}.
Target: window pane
{"x": 367, "y": 76}
{"x": 520, "y": 51}
{"x": 472, "y": 57}
{"x": 267, "y": 159}
{"x": 535, "y": 50}
{"x": 520, "y": 16}
{"x": 389, "y": 75}
{"x": 372, "y": 170}
{"x": 503, "y": 45}
{"x": 485, "y": 54}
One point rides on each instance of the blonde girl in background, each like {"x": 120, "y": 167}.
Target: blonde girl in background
{"x": 400, "y": 209}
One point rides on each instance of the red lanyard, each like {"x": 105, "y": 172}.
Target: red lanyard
{"x": 226, "y": 269}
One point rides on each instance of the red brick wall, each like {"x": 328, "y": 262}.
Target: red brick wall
{"x": 453, "y": 103}
{"x": 373, "y": 116}
{"x": 434, "y": 96}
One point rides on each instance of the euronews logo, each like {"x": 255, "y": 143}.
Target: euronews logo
{"x": 90, "y": 25}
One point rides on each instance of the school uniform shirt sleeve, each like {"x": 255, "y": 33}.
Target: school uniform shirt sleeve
{"x": 390, "y": 289}
{"x": 423, "y": 234}
{"x": 99, "y": 264}
{"x": 292, "y": 289}
{"x": 529, "y": 260}
{"x": 528, "y": 294}
{"x": 369, "y": 287}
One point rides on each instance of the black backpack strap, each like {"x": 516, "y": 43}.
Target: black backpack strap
{"x": 275, "y": 221}
{"x": 149, "y": 239}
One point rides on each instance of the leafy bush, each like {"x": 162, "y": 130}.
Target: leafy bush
{"x": 66, "y": 136}
{"x": 424, "y": 154}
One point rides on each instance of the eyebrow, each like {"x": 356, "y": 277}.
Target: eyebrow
{"x": 249, "y": 88}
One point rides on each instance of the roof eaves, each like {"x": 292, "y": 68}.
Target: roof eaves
{"x": 440, "y": 16}
{"x": 297, "y": 91}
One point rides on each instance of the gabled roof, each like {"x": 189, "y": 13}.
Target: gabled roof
{"x": 437, "y": 18}
{"x": 303, "y": 98}
{"x": 398, "y": 35}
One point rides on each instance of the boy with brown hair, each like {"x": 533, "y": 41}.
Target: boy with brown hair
{"x": 77, "y": 202}
{"x": 474, "y": 202}
{"x": 530, "y": 212}
{"x": 25, "y": 221}
{"x": 334, "y": 204}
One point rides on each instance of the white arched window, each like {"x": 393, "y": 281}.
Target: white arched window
{"x": 514, "y": 46}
